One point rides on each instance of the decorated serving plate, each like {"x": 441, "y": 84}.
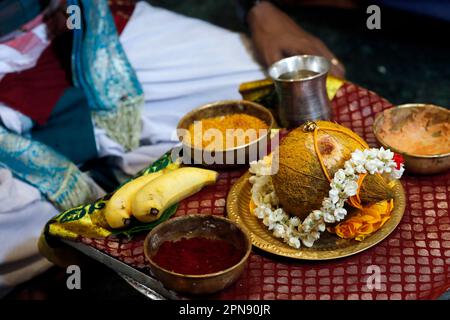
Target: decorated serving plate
{"x": 329, "y": 246}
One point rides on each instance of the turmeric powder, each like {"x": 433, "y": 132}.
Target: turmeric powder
{"x": 224, "y": 132}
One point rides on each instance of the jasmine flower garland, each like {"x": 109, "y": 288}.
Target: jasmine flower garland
{"x": 343, "y": 186}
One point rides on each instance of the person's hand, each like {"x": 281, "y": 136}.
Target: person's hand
{"x": 276, "y": 36}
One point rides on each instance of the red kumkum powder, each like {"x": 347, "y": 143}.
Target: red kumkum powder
{"x": 195, "y": 256}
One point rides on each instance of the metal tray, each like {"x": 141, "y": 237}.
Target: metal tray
{"x": 142, "y": 282}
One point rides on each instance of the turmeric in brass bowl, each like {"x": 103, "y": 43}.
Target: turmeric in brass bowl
{"x": 225, "y": 133}
{"x": 420, "y": 133}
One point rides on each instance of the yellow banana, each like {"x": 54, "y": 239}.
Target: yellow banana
{"x": 118, "y": 208}
{"x": 159, "y": 194}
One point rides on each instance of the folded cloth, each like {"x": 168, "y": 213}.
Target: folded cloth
{"x": 39, "y": 165}
{"x": 35, "y": 91}
{"x": 69, "y": 130}
{"x": 101, "y": 69}
{"x": 23, "y": 212}
{"x": 103, "y": 74}
{"x": 21, "y": 48}
{"x": 15, "y": 13}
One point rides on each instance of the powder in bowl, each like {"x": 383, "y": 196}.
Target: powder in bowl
{"x": 416, "y": 130}
{"x": 223, "y": 132}
{"x": 197, "y": 256}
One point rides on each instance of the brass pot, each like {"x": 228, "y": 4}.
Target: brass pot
{"x": 190, "y": 226}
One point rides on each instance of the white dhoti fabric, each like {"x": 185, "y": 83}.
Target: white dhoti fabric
{"x": 181, "y": 63}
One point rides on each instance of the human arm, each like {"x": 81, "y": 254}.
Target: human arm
{"x": 275, "y": 35}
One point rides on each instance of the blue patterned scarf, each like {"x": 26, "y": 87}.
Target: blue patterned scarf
{"x": 102, "y": 70}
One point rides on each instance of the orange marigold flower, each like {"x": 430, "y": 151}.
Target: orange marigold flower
{"x": 368, "y": 220}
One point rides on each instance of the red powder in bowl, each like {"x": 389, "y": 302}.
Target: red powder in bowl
{"x": 196, "y": 256}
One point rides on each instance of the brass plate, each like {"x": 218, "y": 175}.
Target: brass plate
{"x": 329, "y": 246}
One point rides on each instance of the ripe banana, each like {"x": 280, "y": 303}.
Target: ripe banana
{"x": 118, "y": 208}
{"x": 159, "y": 194}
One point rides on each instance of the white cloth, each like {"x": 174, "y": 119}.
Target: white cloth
{"x": 23, "y": 214}
{"x": 15, "y": 121}
{"x": 182, "y": 63}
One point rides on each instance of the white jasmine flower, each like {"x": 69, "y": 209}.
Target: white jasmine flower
{"x": 360, "y": 168}
{"x": 327, "y": 205}
{"x": 340, "y": 214}
{"x": 358, "y": 156}
{"x": 385, "y": 154}
{"x": 349, "y": 171}
{"x": 279, "y": 231}
{"x": 294, "y": 221}
{"x": 339, "y": 176}
{"x": 371, "y": 166}
{"x": 272, "y": 218}
{"x": 271, "y": 226}
{"x": 259, "y": 213}
{"x": 397, "y": 173}
{"x": 328, "y": 217}
{"x": 372, "y": 153}
{"x": 309, "y": 239}
{"x": 317, "y": 214}
{"x": 278, "y": 215}
{"x": 321, "y": 226}
{"x": 334, "y": 195}
{"x": 308, "y": 224}
{"x": 308, "y": 242}
{"x": 336, "y": 186}
{"x": 294, "y": 242}
{"x": 351, "y": 188}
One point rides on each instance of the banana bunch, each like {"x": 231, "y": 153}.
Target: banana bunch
{"x": 148, "y": 196}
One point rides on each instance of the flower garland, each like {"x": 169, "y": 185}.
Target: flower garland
{"x": 343, "y": 186}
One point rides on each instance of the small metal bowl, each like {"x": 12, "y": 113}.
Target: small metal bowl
{"x": 417, "y": 163}
{"x": 228, "y": 157}
{"x": 198, "y": 225}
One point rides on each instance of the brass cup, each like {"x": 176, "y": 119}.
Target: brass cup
{"x": 190, "y": 226}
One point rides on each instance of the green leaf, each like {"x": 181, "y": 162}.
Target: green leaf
{"x": 73, "y": 214}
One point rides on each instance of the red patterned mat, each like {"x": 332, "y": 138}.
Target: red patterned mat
{"x": 414, "y": 261}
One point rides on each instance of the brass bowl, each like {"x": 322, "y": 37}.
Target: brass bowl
{"x": 227, "y": 157}
{"x": 417, "y": 163}
{"x": 199, "y": 225}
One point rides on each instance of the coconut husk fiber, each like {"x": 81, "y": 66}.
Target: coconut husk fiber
{"x": 300, "y": 182}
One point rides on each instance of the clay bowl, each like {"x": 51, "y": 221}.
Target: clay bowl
{"x": 206, "y": 226}
{"x": 399, "y": 117}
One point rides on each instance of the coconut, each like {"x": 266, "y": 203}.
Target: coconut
{"x": 300, "y": 182}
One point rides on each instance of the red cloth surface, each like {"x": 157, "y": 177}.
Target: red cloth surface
{"x": 35, "y": 91}
{"x": 414, "y": 260}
